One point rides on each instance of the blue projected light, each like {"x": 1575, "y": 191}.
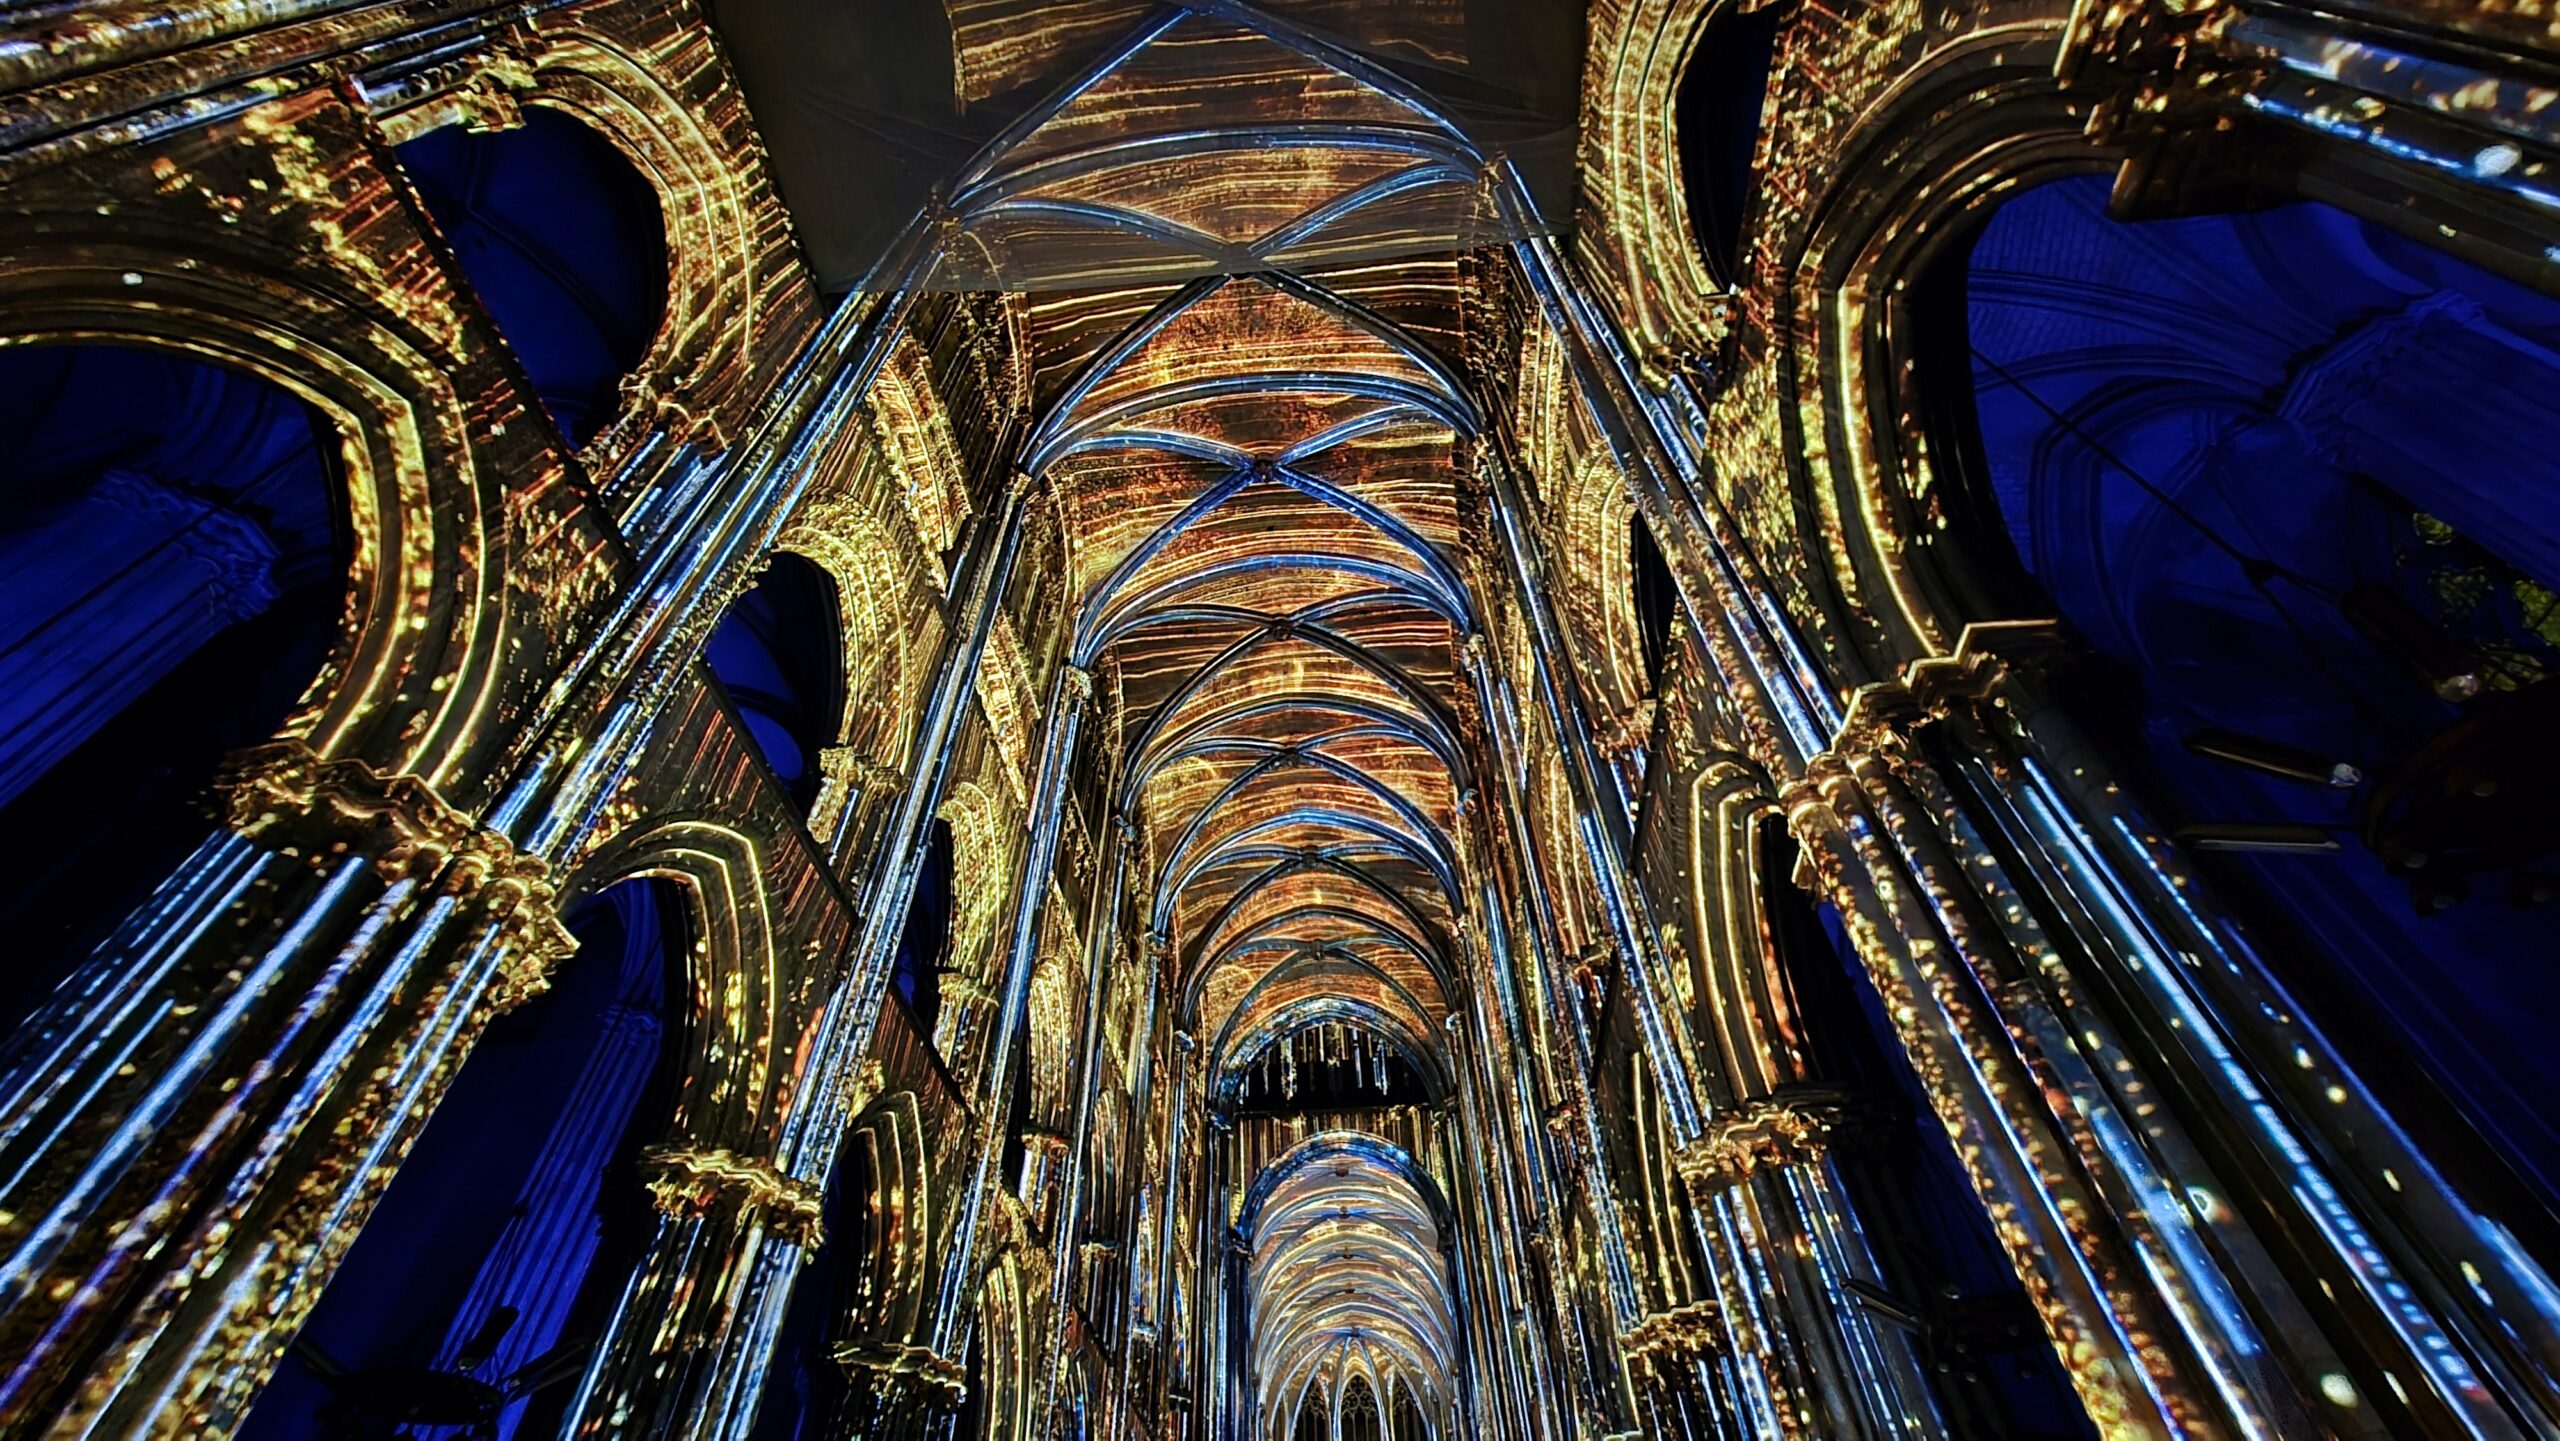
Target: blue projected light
{"x": 2290, "y": 477}
{"x": 476, "y": 1290}
{"x": 171, "y": 573}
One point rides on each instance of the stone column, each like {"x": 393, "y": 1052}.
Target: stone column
{"x": 1061, "y": 727}
{"x": 660, "y": 1367}
{"x": 197, "y": 1124}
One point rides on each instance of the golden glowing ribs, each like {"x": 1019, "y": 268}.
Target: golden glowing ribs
{"x": 1254, "y": 447}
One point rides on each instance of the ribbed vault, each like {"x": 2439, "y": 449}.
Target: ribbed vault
{"x": 1347, "y": 1280}
{"x": 1253, "y": 443}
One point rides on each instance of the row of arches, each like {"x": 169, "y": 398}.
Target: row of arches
{"x": 2248, "y": 461}
{"x": 179, "y": 538}
{"x": 2231, "y": 433}
{"x": 178, "y": 533}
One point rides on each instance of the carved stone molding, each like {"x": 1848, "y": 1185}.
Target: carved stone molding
{"x": 287, "y": 796}
{"x": 1668, "y": 1339}
{"x": 1935, "y": 686}
{"x": 847, "y": 772}
{"x": 1762, "y": 1135}
{"x": 865, "y": 1085}
{"x": 898, "y": 1358}
{"x": 481, "y": 91}
{"x": 686, "y": 1181}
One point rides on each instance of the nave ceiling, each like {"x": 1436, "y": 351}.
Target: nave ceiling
{"x": 1236, "y": 249}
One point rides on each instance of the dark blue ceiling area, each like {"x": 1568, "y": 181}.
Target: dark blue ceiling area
{"x": 2293, "y": 480}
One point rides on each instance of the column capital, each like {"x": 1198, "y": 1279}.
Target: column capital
{"x": 847, "y": 772}
{"x": 690, "y": 1181}
{"x": 1934, "y": 686}
{"x": 289, "y": 797}
{"x": 864, "y": 1085}
{"x": 1761, "y": 1135}
{"x": 886, "y": 1357}
{"x": 1077, "y": 682}
{"x": 1669, "y": 1339}
{"x": 235, "y": 557}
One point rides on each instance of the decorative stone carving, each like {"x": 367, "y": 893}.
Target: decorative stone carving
{"x": 1758, "y": 1136}
{"x": 898, "y": 1358}
{"x": 685, "y": 1181}
{"x": 1667, "y": 1339}
{"x": 285, "y": 795}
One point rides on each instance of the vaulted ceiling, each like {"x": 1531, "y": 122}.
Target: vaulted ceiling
{"x": 869, "y": 113}
{"x": 1237, "y": 234}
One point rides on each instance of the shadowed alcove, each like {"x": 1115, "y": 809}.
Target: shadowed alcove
{"x": 173, "y": 565}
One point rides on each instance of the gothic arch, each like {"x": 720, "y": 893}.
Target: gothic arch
{"x": 726, "y": 263}
{"x": 1975, "y": 124}
{"x": 1593, "y": 515}
{"x": 1006, "y": 1346}
{"x": 914, "y": 430}
{"x": 1641, "y": 247}
{"x": 744, "y": 1014}
{"x": 417, "y": 660}
{"x": 1054, "y": 1034}
{"x": 889, "y": 1286}
{"x": 779, "y": 654}
{"x": 979, "y": 848}
{"x": 858, "y": 552}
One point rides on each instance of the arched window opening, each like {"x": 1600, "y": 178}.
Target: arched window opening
{"x": 476, "y": 1291}
{"x": 564, "y": 243}
{"x": 1980, "y": 1334}
{"x": 1361, "y": 1418}
{"x": 1717, "y": 114}
{"x": 779, "y": 654}
{"x": 805, "y": 1392}
{"x": 1315, "y": 1421}
{"x": 173, "y": 564}
{"x": 2286, "y": 477}
{"x": 1405, "y": 1421}
{"x": 917, "y": 977}
{"x": 1657, "y": 600}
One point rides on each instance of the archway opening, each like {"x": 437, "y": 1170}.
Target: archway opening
{"x": 563, "y": 240}
{"x": 476, "y": 1291}
{"x": 1362, "y": 1419}
{"x": 842, "y": 1283}
{"x": 173, "y": 563}
{"x": 2285, "y": 478}
{"x": 1657, "y": 599}
{"x": 917, "y": 973}
{"x": 1717, "y": 113}
{"x": 1315, "y": 1419}
{"x": 1998, "y": 1374}
{"x": 779, "y": 654}
{"x": 1328, "y": 1067}
{"x": 1346, "y": 1276}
